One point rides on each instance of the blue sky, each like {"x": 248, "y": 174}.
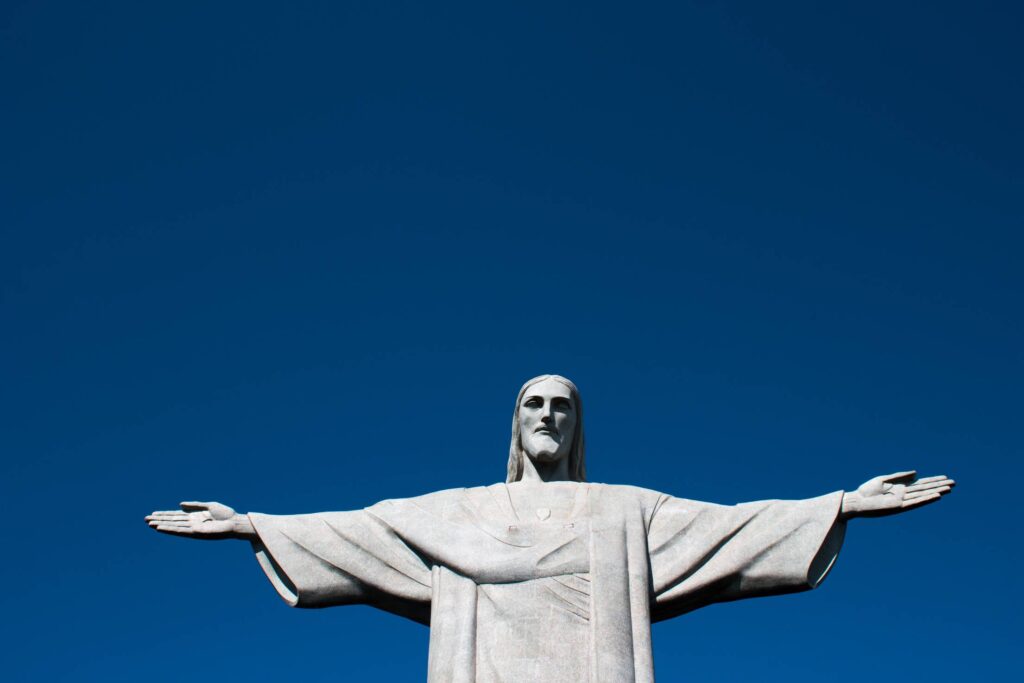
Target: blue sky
{"x": 301, "y": 258}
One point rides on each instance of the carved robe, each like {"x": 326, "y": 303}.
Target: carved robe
{"x": 509, "y": 600}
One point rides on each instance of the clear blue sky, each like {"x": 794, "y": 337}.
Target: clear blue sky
{"x": 300, "y": 257}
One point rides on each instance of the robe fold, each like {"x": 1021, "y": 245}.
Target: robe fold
{"x": 572, "y": 600}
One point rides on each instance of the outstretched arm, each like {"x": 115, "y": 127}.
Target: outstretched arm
{"x": 207, "y": 521}
{"x": 891, "y": 494}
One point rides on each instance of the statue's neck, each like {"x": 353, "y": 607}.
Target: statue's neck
{"x": 543, "y": 472}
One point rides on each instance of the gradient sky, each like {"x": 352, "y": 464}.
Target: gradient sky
{"x": 300, "y": 257}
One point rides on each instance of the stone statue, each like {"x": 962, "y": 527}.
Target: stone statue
{"x": 546, "y": 577}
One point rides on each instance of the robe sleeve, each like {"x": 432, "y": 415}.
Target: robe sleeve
{"x": 342, "y": 558}
{"x": 703, "y": 553}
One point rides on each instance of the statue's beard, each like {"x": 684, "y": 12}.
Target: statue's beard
{"x": 544, "y": 449}
{"x": 546, "y": 455}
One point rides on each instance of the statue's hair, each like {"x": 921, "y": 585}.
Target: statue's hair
{"x": 577, "y": 453}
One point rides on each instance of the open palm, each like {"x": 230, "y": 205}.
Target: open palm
{"x": 891, "y": 494}
{"x": 211, "y": 521}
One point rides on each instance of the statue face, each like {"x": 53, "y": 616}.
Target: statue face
{"x": 547, "y": 421}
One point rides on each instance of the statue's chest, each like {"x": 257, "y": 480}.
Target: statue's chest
{"x": 538, "y": 505}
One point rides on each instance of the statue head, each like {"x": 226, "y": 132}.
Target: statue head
{"x": 547, "y": 425}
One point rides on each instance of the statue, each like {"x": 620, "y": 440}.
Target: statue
{"x": 546, "y": 577}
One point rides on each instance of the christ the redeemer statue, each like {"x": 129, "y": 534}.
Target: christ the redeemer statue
{"x": 547, "y": 577}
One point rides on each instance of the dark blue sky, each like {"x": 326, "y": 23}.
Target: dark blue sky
{"x": 297, "y": 258}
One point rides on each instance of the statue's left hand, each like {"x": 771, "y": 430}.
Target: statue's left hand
{"x": 891, "y": 494}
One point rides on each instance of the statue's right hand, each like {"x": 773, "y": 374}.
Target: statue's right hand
{"x": 209, "y": 521}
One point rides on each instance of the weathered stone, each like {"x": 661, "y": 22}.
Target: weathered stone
{"x": 546, "y": 577}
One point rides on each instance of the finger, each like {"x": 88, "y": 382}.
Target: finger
{"x": 161, "y": 513}
{"x": 168, "y": 521}
{"x": 930, "y": 482}
{"x": 183, "y": 525}
{"x": 900, "y": 477}
{"x": 918, "y": 502}
{"x": 921, "y": 494}
{"x": 168, "y": 515}
{"x": 195, "y": 506}
{"x": 173, "y": 530}
{"x": 925, "y": 480}
{"x": 177, "y": 525}
{"x": 930, "y": 485}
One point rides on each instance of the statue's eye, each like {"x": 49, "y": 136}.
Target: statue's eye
{"x": 532, "y": 403}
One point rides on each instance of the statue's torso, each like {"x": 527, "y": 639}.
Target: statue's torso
{"x": 538, "y": 629}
